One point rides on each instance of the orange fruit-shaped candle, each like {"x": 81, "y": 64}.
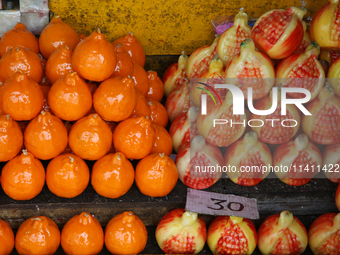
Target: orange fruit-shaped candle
{"x": 6, "y": 238}
{"x": 55, "y": 35}
{"x": 37, "y": 235}
{"x": 23, "y": 177}
{"x": 158, "y": 115}
{"x": 156, "y": 87}
{"x": 46, "y": 136}
{"x": 18, "y": 36}
{"x": 112, "y": 175}
{"x": 94, "y": 58}
{"x": 21, "y": 58}
{"x": 142, "y": 107}
{"x": 134, "y": 137}
{"x": 163, "y": 141}
{"x": 90, "y": 137}
{"x": 133, "y": 47}
{"x": 22, "y": 97}
{"x": 11, "y": 138}
{"x": 59, "y": 63}
{"x": 125, "y": 234}
{"x": 82, "y": 234}
{"x": 70, "y": 97}
{"x": 124, "y": 66}
{"x": 141, "y": 79}
{"x": 115, "y": 99}
{"x": 156, "y": 175}
{"x": 67, "y": 175}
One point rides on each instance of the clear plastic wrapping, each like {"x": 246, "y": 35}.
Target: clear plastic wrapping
{"x": 8, "y": 19}
{"x": 222, "y": 23}
{"x": 35, "y": 22}
{"x": 38, "y": 6}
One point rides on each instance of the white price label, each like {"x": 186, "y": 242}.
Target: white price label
{"x": 204, "y": 202}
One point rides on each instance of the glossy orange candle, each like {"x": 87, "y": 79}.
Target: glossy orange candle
{"x": 21, "y": 58}
{"x": 156, "y": 175}
{"x": 6, "y": 238}
{"x": 11, "y": 138}
{"x": 82, "y": 234}
{"x": 94, "y": 58}
{"x": 156, "y": 87}
{"x": 46, "y": 136}
{"x": 67, "y": 175}
{"x": 23, "y": 177}
{"x": 125, "y": 234}
{"x": 18, "y": 36}
{"x": 90, "y": 137}
{"x": 134, "y": 137}
{"x": 22, "y": 97}
{"x": 37, "y": 235}
{"x": 133, "y": 47}
{"x": 115, "y": 99}
{"x": 112, "y": 175}
{"x": 124, "y": 66}
{"x": 59, "y": 63}
{"x": 70, "y": 97}
{"x": 56, "y": 34}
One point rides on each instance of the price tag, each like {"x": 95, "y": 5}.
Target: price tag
{"x": 204, "y": 202}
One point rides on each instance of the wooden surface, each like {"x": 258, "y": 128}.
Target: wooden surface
{"x": 163, "y": 27}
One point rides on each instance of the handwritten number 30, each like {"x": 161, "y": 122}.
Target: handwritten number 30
{"x": 221, "y": 207}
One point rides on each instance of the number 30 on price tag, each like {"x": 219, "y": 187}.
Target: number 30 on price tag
{"x": 220, "y": 204}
